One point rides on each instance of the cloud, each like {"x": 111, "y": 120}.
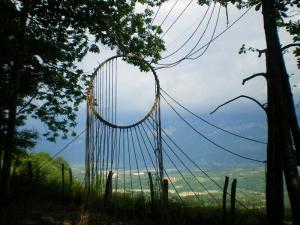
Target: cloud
{"x": 170, "y": 130}
{"x": 212, "y": 79}
{"x": 246, "y": 126}
{"x": 200, "y": 84}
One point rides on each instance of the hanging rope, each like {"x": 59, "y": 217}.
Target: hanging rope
{"x": 209, "y": 123}
{"x": 128, "y": 150}
{"x": 211, "y": 141}
{"x": 188, "y": 56}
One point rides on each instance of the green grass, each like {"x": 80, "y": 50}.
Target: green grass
{"x": 43, "y": 195}
{"x": 44, "y": 203}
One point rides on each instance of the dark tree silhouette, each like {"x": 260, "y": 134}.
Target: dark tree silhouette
{"x": 283, "y": 131}
{"x": 41, "y": 44}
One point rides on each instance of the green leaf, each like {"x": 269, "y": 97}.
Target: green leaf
{"x": 58, "y": 35}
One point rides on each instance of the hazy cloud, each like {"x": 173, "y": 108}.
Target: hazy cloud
{"x": 170, "y": 130}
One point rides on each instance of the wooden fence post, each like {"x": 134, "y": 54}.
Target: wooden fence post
{"x": 29, "y": 168}
{"x": 224, "y": 199}
{"x": 62, "y": 179}
{"x": 164, "y": 201}
{"x": 108, "y": 190}
{"x": 70, "y": 179}
{"x": 165, "y": 192}
{"x": 151, "y": 191}
{"x": 233, "y": 195}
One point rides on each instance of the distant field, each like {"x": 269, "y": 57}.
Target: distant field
{"x": 250, "y": 184}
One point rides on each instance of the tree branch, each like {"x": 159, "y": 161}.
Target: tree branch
{"x": 253, "y": 76}
{"x": 261, "y": 51}
{"x": 241, "y": 96}
{"x": 30, "y": 100}
{"x": 290, "y": 45}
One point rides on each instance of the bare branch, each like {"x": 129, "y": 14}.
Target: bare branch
{"x": 261, "y": 51}
{"x": 253, "y": 76}
{"x": 241, "y": 96}
{"x": 290, "y": 45}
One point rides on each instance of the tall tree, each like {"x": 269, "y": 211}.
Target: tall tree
{"x": 283, "y": 130}
{"x": 41, "y": 43}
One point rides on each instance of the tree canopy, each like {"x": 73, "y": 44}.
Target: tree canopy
{"x": 47, "y": 39}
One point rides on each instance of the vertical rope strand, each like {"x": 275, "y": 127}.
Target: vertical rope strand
{"x": 118, "y": 160}
{"x": 136, "y": 161}
{"x": 112, "y": 116}
{"x": 152, "y": 162}
{"x": 124, "y": 167}
{"x": 129, "y": 160}
{"x": 141, "y": 150}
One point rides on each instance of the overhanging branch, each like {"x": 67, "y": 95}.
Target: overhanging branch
{"x": 253, "y": 76}
{"x": 241, "y": 96}
{"x": 290, "y": 45}
{"x": 261, "y": 51}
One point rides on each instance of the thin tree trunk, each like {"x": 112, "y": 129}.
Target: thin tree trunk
{"x": 2, "y": 129}
{"x": 1, "y": 150}
{"x": 282, "y": 108}
{"x": 10, "y": 142}
{"x": 274, "y": 176}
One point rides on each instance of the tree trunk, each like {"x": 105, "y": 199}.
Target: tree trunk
{"x": 282, "y": 110}
{"x": 10, "y": 137}
{"x": 2, "y": 129}
{"x": 274, "y": 177}
{"x": 10, "y": 142}
{"x": 1, "y": 150}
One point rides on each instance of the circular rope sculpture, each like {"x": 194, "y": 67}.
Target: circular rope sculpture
{"x": 127, "y": 160}
{"x": 121, "y": 159}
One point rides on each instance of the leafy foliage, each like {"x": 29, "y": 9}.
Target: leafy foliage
{"x": 293, "y": 27}
{"x": 57, "y": 35}
{"x": 44, "y": 168}
{"x": 27, "y": 138}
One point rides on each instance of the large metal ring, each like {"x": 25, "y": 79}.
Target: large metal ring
{"x": 90, "y": 97}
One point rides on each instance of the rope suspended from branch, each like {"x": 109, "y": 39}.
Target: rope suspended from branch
{"x": 187, "y": 168}
{"x": 156, "y": 13}
{"x": 173, "y": 6}
{"x": 202, "y": 171}
{"x": 209, "y": 123}
{"x": 190, "y": 37}
{"x": 128, "y": 152}
{"x": 64, "y": 148}
{"x": 177, "y": 18}
{"x": 211, "y": 141}
{"x": 189, "y": 56}
{"x": 192, "y": 51}
{"x": 113, "y": 149}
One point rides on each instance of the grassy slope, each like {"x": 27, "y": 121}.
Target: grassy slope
{"x": 42, "y": 204}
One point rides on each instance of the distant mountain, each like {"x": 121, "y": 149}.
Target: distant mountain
{"x": 248, "y": 124}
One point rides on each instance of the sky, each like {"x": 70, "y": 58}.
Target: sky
{"x": 200, "y": 85}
